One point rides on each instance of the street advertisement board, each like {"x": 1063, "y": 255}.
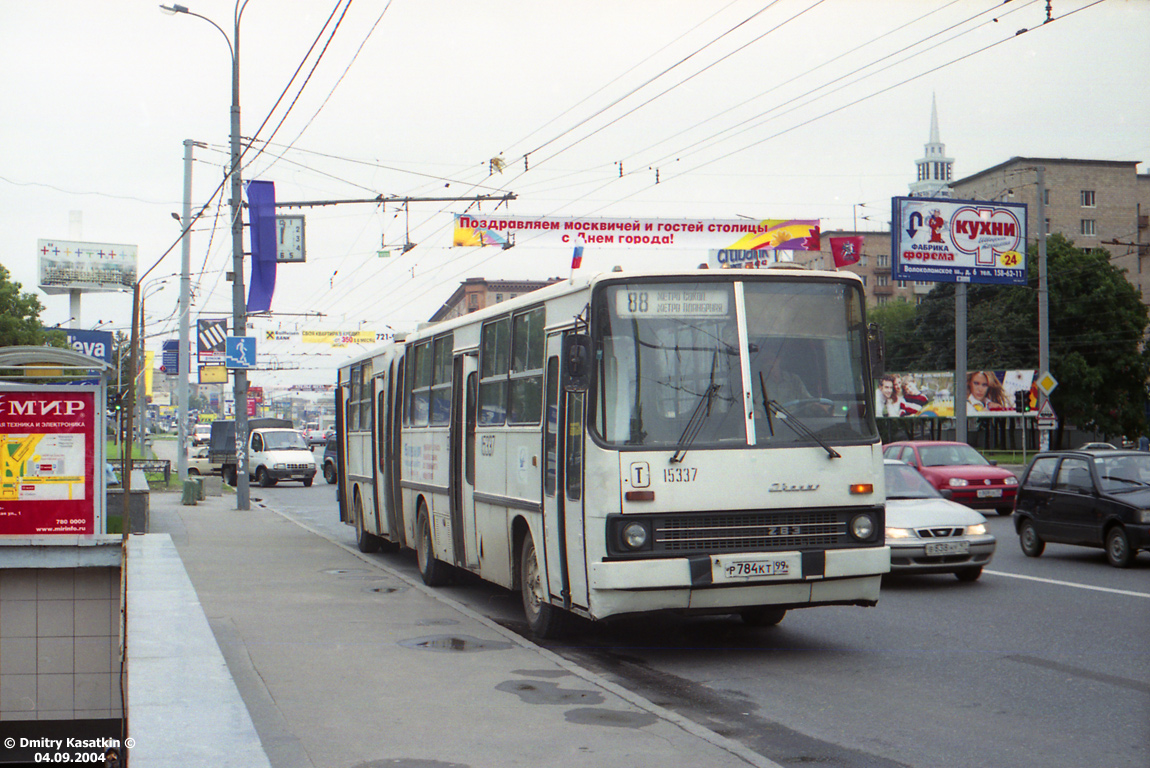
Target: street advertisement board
{"x": 989, "y": 394}
{"x": 958, "y": 241}
{"x": 548, "y": 231}
{"x": 66, "y": 265}
{"x": 210, "y": 336}
{"x": 49, "y": 483}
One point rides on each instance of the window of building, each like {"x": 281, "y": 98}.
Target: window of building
{"x": 881, "y": 280}
{"x": 902, "y": 283}
{"x": 1087, "y": 197}
{"x": 883, "y": 261}
{"x": 1087, "y": 227}
{"x": 498, "y": 297}
{"x": 1046, "y": 197}
{"x": 882, "y": 300}
{"x": 1048, "y": 226}
{"x": 863, "y": 279}
{"x": 918, "y": 299}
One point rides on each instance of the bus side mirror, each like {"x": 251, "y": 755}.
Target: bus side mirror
{"x": 877, "y": 344}
{"x": 576, "y": 375}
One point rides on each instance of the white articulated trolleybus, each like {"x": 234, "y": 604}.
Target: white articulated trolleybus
{"x": 698, "y": 442}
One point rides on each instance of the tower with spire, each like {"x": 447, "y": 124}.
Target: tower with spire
{"x": 934, "y": 168}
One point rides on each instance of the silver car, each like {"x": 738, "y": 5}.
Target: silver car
{"x": 928, "y": 533}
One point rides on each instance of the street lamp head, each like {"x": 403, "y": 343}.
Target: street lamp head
{"x": 173, "y": 9}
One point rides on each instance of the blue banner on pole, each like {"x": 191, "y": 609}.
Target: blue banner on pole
{"x": 262, "y": 217}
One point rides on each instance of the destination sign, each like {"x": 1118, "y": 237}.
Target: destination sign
{"x": 671, "y": 302}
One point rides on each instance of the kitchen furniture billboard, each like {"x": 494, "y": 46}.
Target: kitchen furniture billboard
{"x": 958, "y": 241}
{"x": 47, "y": 453}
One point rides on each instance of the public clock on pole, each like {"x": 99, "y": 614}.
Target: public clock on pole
{"x": 289, "y": 239}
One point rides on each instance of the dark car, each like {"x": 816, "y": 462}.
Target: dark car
{"x": 1086, "y": 498}
{"x": 958, "y": 468}
{"x": 330, "y": 471}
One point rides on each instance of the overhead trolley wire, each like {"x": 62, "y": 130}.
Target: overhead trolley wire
{"x": 872, "y": 95}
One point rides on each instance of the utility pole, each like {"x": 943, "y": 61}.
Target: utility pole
{"x": 1043, "y": 296}
{"x": 239, "y": 301}
{"x": 960, "y": 393}
{"x": 184, "y": 363}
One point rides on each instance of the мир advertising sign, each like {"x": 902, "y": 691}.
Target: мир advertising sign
{"x": 47, "y": 462}
{"x": 958, "y": 241}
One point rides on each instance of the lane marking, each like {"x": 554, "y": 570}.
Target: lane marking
{"x": 1125, "y": 592}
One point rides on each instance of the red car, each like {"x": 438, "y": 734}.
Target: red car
{"x": 958, "y": 468}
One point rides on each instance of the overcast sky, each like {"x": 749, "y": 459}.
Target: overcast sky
{"x": 789, "y": 109}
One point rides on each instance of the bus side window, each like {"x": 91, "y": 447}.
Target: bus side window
{"x": 551, "y": 435}
{"x": 494, "y": 361}
{"x": 420, "y": 373}
{"x": 353, "y": 398}
{"x": 526, "y": 395}
{"x": 441, "y": 380}
{"x": 573, "y": 472}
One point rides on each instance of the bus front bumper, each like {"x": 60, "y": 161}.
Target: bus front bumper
{"x": 833, "y": 577}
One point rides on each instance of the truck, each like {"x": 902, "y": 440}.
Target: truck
{"x": 276, "y": 451}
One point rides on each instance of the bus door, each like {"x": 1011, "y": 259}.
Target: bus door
{"x": 341, "y": 452}
{"x": 464, "y": 390}
{"x": 381, "y": 449}
{"x": 562, "y": 484}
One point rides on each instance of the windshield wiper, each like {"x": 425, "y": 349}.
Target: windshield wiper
{"x": 698, "y": 416}
{"x": 792, "y": 421}
{"x": 695, "y": 423}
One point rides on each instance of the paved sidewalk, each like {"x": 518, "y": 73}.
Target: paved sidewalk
{"x": 345, "y": 662}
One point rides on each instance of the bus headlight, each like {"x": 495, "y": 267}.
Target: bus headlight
{"x": 862, "y": 527}
{"x": 634, "y": 535}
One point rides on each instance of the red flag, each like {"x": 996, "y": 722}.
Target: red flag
{"x": 846, "y": 250}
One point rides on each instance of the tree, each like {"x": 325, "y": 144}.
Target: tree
{"x": 20, "y": 317}
{"x": 1097, "y": 326}
{"x": 896, "y": 322}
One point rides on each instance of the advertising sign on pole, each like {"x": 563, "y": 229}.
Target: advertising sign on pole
{"x": 958, "y": 241}
{"x": 66, "y": 266}
{"x": 210, "y": 336}
{"x": 48, "y": 482}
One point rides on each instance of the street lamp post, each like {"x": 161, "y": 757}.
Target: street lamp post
{"x": 184, "y": 361}
{"x": 239, "y": 306}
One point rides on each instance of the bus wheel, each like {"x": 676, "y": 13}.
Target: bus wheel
{"x": 545, "y": 620}
{"x": 763, "y": 616}
{"x": 365, "y": 541}
{"x": 433, "y": 572}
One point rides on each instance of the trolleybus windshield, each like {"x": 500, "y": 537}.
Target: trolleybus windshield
{"x": 672, "y": 370}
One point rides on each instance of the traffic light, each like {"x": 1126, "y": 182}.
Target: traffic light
{"x": 1021, "y": 401}
{"x": 115, "y": 400}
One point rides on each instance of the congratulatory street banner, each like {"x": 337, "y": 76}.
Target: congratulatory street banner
{"x": 704, "y": 234}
